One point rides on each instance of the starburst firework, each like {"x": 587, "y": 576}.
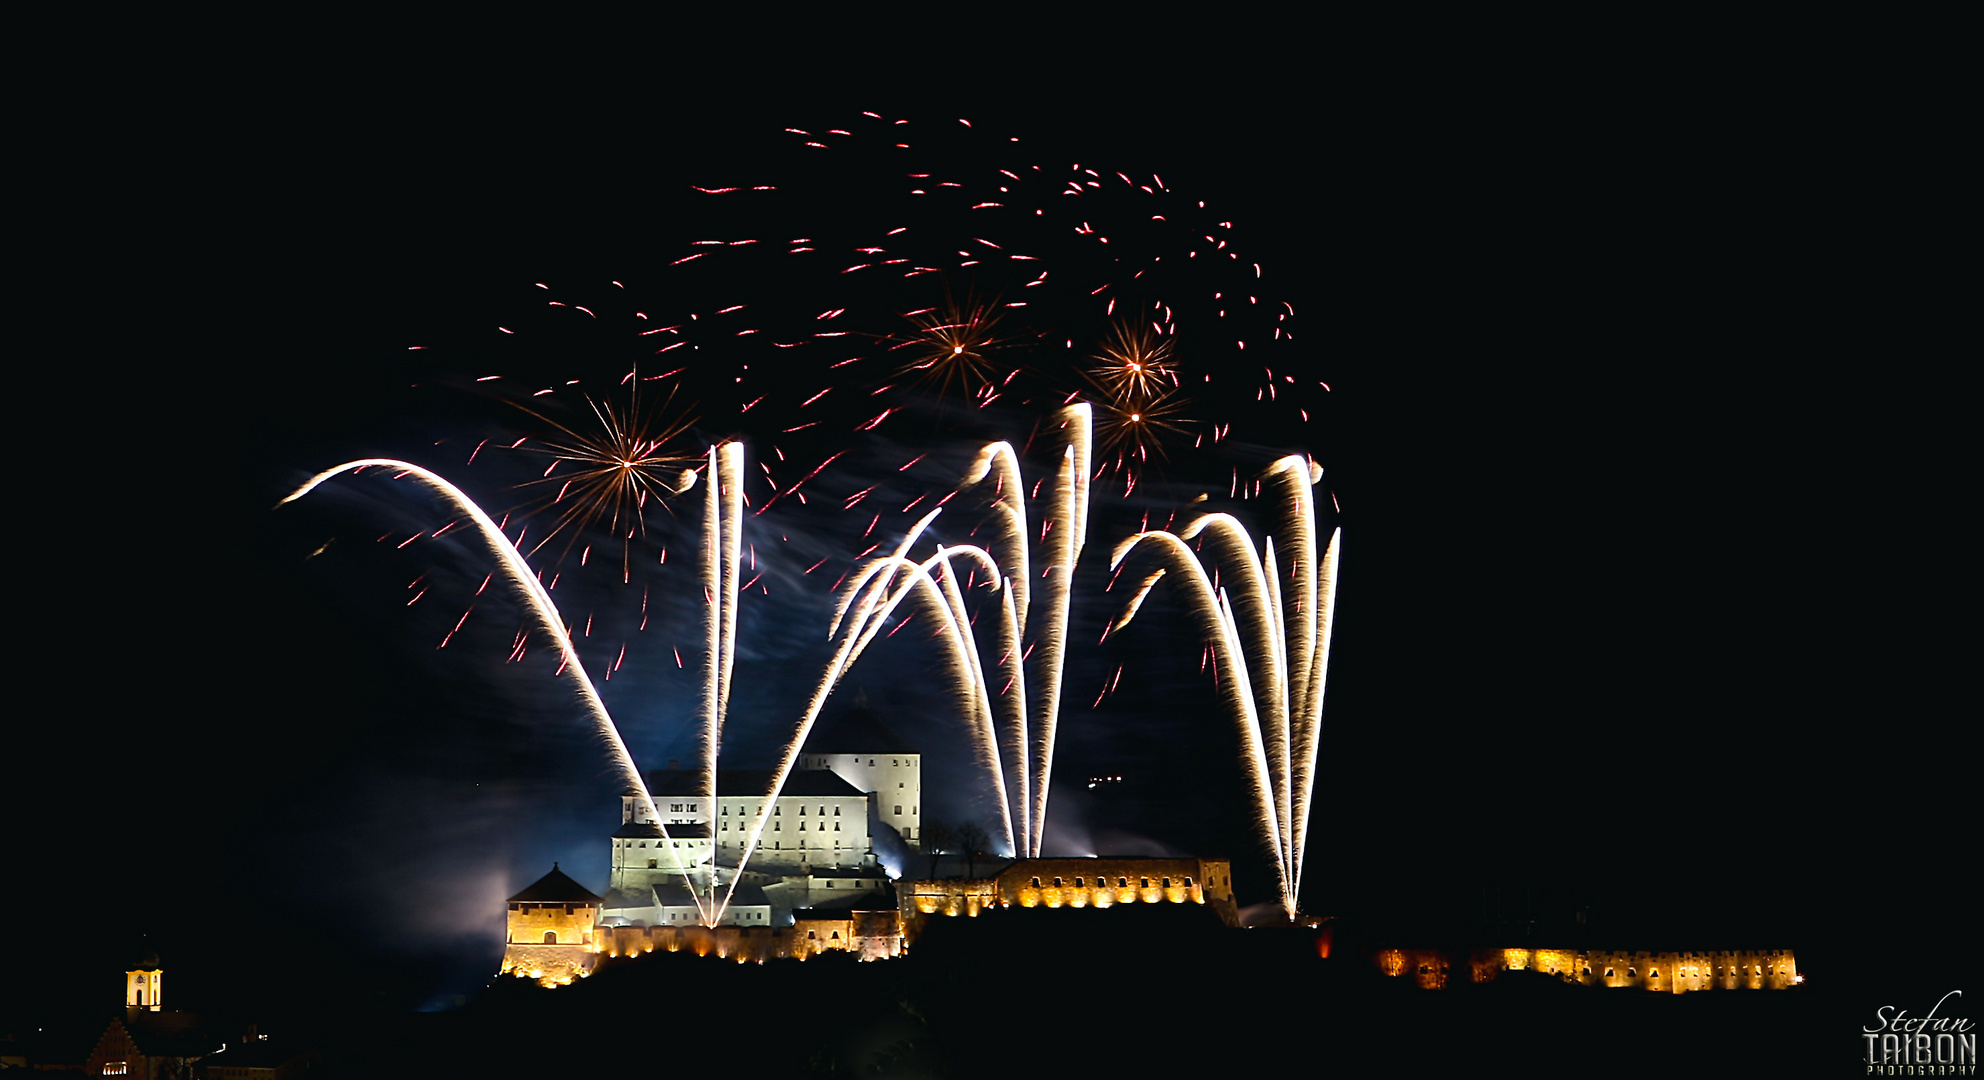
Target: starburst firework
{"x": 611, "y": 472}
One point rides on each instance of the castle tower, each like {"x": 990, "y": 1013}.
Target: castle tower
{"x": 143, "y": 991}
{"x": 551, "y": 927}
{"x": 860, "y": 749}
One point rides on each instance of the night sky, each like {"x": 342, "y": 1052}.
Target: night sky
{"x": 1584, "y": 644}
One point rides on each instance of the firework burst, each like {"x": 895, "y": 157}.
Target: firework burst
{"x": 951, "y": 349}
{"x": 1134, "y": 364}
{"x": 606, "y": 475}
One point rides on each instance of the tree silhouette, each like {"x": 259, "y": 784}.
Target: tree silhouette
{"x": 972, "y": 840}
{"x": 937, "y": 839}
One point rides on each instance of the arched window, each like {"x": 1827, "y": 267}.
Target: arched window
{"x": 551, "y": 937}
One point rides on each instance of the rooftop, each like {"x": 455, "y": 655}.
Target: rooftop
{"x": 857, "y": 731}
{"x": 678, "y": 783}
{"x": 555, "y": 888}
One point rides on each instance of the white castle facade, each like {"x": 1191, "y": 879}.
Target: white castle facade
{"x": 851, "y": 808}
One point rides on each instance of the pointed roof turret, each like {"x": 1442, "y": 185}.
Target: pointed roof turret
{"x": 555, "y": 888}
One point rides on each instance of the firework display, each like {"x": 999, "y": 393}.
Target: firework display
{"x": 1273, "y": 663}
{"x": 1094, "y": 319}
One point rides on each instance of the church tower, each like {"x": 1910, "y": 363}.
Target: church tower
{"x": 143, "y": 991}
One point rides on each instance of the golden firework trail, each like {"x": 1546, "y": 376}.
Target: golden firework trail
{"x": 1271, "y": 646}
{"x": 1030, "y": 723}
{"x": 521, "y": 579}
{"x": 723, "y": 530}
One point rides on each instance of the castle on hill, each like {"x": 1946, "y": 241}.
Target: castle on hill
{"x": 823, "y": 879}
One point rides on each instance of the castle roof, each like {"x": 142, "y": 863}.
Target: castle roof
{"x": 841, "y": 907}
{"x": 750, "y": 782}
{"x": 169, "y": 1034}
{"x": 677, "y": 896}
{"x": 555, "y": 888}
{"x": 856, "y": 731}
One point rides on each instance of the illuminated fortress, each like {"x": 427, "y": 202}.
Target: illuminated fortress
{"x": 1660, "y": 971}
{"x": 823, "y": 880}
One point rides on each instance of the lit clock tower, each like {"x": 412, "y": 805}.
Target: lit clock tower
{"x": 143, "y": 991}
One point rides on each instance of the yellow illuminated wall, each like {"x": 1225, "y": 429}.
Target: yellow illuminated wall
{"x": 1073, "y": 883}
{"x": 1667, "y": 972}
{"x": 552, "y": 943}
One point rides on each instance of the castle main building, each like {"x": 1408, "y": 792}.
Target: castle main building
{"x": 850, "y": 811}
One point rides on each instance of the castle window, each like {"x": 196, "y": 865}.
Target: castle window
{"x": 653, "y": 863}
{"x": 1146, "y": 883}
{"x": 1188, "y": 881}
{"x": 836, "y": 811}
{"x": 1608, "y": 973}
{"x": 1036, "y": 883}
{"x": 802, "y": 826}
{"x": 1057, "y": 883}
{"x": 551, "y": 937}
{"x": 775, "y": 811}
{"x": 894, "y": 762}
{"x": 1632, "y": 973}
{"x": 836, "y": 936}
{"x": 836, "y": 826}
{"x": 775, "y": 826}
{"x": 1167, "y": 883}
{"x": 802, "y": 811}
{"x": 898, "y": 809}
{"x": 1122, "y": 883}
{"x": 1078, "y": 883}
{"x": 811, "y": 934}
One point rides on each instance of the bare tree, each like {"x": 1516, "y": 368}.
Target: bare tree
{"x": 937, "y": 839}
{"x": 972, "y": 840}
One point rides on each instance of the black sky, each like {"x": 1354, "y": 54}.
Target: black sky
{"x": 1585, "y": 634}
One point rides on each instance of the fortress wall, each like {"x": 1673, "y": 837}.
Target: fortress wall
{"x": 1075, "y": 883}
{"x": 878, "y": 934}
{"x": 811, "y": 937}
{"x": 872, "y": 935}
{"x": 572, "y": 924}
{"x": 1667, "y": 972}
{"x": 551, "y": 965}
{"x": 1430, "y": 969}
